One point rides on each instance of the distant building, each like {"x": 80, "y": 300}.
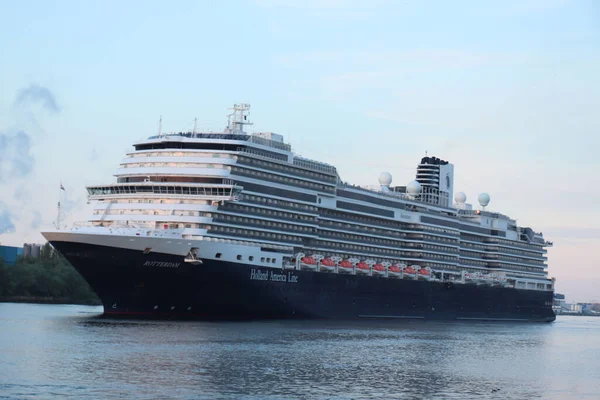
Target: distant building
{"x": 10, "y": 254}
{"x": 574, "y": 308}
{"x": 32, "y": 250}
{"x": 587, "y": 308}
{"x": 559, "y": 300}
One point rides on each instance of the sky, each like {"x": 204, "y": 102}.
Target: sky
{"x": 508, "y": 91}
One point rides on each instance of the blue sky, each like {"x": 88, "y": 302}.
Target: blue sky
{"x": 509, "y": 92}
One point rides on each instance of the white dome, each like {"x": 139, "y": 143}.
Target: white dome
{"x": 385, "y": 179}
{"x": 460, "y": 197}
{"x": 413, "y": 188}
{"x": 484, "y": 199}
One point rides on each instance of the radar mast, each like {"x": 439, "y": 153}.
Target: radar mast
{"x": 238, "y": 118}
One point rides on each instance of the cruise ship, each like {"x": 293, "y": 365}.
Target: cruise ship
{"x": 233, "y": 225}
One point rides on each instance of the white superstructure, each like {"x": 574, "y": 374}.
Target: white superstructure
{"x": 248, "y": 198}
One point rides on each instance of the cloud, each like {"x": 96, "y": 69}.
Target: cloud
{"x": 36, "y": 94}
{"x": 36, "y": 222}
{"x": 6, "y": 217}
{"x": 16, "y": 161}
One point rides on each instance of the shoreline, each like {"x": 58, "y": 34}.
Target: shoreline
{"x": 46, "y": 300}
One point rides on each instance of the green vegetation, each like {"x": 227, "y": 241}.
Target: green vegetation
{"x": 49, "y": 279}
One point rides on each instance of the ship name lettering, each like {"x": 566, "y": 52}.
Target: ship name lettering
{"x": 161, "y": 264}
{"x": 258, "y": 275}
{"x": 278, "y": 277}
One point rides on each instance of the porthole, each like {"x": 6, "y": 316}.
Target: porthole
{"x": 218, "y": 255}
{"x": 251, "y": 258}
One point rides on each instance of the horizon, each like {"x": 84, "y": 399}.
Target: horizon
{"x": 506, "y": 92}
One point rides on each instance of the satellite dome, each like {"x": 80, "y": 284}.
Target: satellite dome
{"x": 460, "y": 197}
{"x": 385, "y": 179}
{"x": 484, "y": 199}
{"x": 413, "y": 188}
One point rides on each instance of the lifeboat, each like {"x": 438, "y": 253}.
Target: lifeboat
{"x": 345, "y": 267}
{"x": 410, "y": 272}
{"x": 363, "y": 268}
{"x": 308, "y": 262}
{"x": 379, "y": 269}
{"x": 395, "y": 271}
{"x": 327, "y": 264}
{"x": 424, "y": 273}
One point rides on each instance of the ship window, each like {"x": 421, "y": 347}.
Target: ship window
{"x": 268, "y": 260}
{"x": 239, "y": 257}
{"x": 262, "y": 259}
{"x": 251, "y": 258}
{"x": 273, "y": 261}
{"x": 218, "y": 255}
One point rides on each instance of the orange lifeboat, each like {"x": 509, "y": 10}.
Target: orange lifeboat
{"x": 395, "y": 271}
{"x": 410, "y": 272}
{"x": 424, "y": 273}
{"x": 345, "y": 267}
{"x": 327, "y": 264}
{"x": 363, "y": 268}
{"x": 378, "y": 269}
{"x": 308, "y": 260}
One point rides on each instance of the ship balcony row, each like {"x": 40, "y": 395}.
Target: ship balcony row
{"x": 384, "y": 232}
{"x": 378, "y": 252}
{"x": 295, "y": 169}
{"x": 177, "y": 155}
{"x": 256, "y": 200}
{"x": 357, "y": 241}
{"x": 481, "y": 250}
{"x": 267, "y": 212}
{"x": 223, "y": 172}
{"x": 494, "y": 241}
{"x": 269, "y": 177}
{"x": 343, "y": 218}
{"x": 195, "y": 162}
{"x": 164, "y": 189}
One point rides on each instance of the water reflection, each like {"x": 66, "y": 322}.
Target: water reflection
{"x": 82, "y": 357}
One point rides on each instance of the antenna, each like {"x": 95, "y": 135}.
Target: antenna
{"x": 58, "y": 215}
{"x": 57, "y": 223}
{"x": 195, "y": 121}
{"x": 160, "y": 126}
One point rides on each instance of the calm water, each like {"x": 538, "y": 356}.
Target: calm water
{"x": 51, "y": 351}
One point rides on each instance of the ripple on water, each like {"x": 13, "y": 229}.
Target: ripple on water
{"x": 66, "y": 352}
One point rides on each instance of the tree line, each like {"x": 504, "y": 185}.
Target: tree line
{"x": 47, "y": 279}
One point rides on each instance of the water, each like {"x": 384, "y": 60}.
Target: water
{"x": 49, "y": 351}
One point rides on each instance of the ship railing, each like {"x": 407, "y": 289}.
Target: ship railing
{"x": 114, "y": 224}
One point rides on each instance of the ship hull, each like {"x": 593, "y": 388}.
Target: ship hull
{"x": 130, "y": 282}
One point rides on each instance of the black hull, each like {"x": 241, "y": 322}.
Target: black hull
{"x": 131, "y": 283}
